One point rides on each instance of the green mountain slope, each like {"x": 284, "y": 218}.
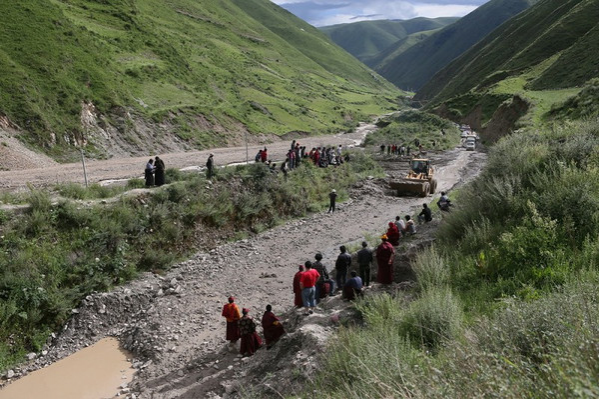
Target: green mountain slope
{"x": 366, "y": 39}
{"x": 529, "y": 40}
{"x": 414, "y": 67}
{"x": 528, "y": 71}
{"x": 181, "y": 68}
{"x": 381, "y": 59}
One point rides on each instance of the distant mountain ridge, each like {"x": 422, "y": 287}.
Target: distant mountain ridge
{"x": 149, "y": 74}
{"x": 412, "y": 68}
{"x": 540, "y": 65}
{"x": 566, "y": 31}
{"x": 367, "y": 39}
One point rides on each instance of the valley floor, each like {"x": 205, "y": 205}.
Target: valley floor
{"x": 175, "y": 319}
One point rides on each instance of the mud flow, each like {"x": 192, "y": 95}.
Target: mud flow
{"x": 97, "y": 372}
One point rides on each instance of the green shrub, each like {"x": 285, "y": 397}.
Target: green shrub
{"x": 39, "y": 201}
{"x": 72, "y": 190}
{"x": 432, "y": 319}
{"x": 135, "y": 183}
{"x": 432, "y": 271}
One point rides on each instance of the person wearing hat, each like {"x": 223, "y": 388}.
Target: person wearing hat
{"x": 232, "y": 314}
{"x": 250, "y": 340}
{"x": 384, "y": 259}
{"x": 210, "y": 166}
{"x": 333, "y": 198}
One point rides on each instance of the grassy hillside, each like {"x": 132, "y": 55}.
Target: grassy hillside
{"x": 413, "y": 68}
{"x": 556, "y": 38}
{"x": 366, "y": 39}
{"x": 506, "y": 303}
{"x": 196, "y": 67}
{"x": 388, "y": 55}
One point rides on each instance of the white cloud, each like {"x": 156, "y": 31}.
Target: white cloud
{"x": 330, "y": 12}
{"x": 447, "y": 10}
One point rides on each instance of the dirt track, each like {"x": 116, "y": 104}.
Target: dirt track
{"x": 116, "y": 169}
{"x": 175, "y": 319}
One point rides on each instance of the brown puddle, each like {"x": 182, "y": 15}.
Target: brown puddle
{"x": 95, "y": 372}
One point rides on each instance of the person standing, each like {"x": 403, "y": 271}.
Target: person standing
{"x": 364, "y": 262}
{"x": 332, "y": 200}
{"x": 384, "y": 258}
{"x": 284, "y": 168}
{"x": 231, "y": 313}
{"x": 159, "y": 171}
{"x": 273, "y": 329}
{"x": 210, "y": 166}
{"x": 297, "y": 289}
{"x": 149, "y": 173}
{"x": 308, "y": 284}
{"x": 250, "y": 340}
{"x": 264, "y": 155}
{"x": 342, "y": 265}
{"x": 324, "y": 285}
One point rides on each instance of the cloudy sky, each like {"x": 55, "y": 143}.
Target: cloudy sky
{"x": 331, "y": 12}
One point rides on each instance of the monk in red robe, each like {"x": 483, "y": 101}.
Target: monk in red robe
{"x": 250, "y": 340}
{"x": 273, "y": 329}
{"x": 232, "y": 314}
{"x": 384, "y": 259}
{"x": 297, "y": 290}
{"x": 393, "y": 234}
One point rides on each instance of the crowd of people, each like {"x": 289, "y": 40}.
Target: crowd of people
{"x": 405, "y": 149}
{"x": 312, "y": 282}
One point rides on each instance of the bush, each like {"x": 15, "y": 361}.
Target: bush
{"x": 39, "y": 201}
{"x": 431, "y": 270}
{"x": 432, "y": 319}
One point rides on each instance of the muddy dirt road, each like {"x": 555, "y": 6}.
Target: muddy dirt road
{"x": 108, "y": 171}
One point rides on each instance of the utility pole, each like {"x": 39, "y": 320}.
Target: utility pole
{"x": 84, "y": 169}
{"x": 247, "y": 156}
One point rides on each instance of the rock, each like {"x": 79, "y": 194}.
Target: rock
{"x": 10, "y": 374}
{"x": 31, "y": 356}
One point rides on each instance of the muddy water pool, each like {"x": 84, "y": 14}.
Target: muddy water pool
{"x": 95, "y": 372}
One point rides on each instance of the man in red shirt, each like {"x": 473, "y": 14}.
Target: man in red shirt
{"x": 308, "y": 285}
